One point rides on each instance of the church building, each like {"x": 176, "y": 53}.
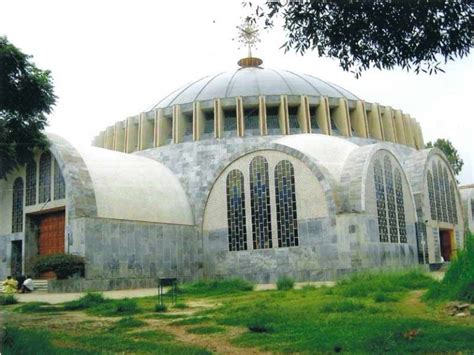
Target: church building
{"x": 253, "y": 173}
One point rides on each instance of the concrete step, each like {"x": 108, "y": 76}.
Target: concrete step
{"x": 40, "y": 285}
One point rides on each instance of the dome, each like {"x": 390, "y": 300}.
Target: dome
{"x": 253, "y": 81}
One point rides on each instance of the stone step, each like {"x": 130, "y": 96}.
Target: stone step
{"x": 40, "y": 285}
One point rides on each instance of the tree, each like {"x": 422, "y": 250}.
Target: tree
{"x": 26, "y": 96}
{"x": 415, "y": 35}
{"x": 451, "y": 153}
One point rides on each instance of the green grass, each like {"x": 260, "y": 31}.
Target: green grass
{"x": 180, "y": 305}
{"x": 458, "y": 282}
{"x": 285, "y": 283}
{"x": 216, "y": 287}
{"x": 354, "y": 317}
{"x": 111, "y": 308}
{"x": 206, "y": 330}
{"x": 343, "y": 306}
{"x": 38, "y": 307}
{"x": 6, "y": 300}
{"x": 89, "y": 300}
{"x": 127, "y": 322}
{"x": 192, "y": 320}
{"x": 368, "y": 284}
{"x": 160, "y": 308}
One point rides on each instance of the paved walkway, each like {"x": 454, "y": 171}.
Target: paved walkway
{"x": 55, "y": 298}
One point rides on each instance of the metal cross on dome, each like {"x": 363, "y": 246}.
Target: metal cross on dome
{"x": 249, "y": 34}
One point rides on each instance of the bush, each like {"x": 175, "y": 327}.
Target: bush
{"x": 458, "y": 282}
{"x": 285, "y": 283}
{"x": 87, "y": 301}
{"x": 128, "y": 322}
{"x": 7, "y": 299}
{"x": 37, "y": 307}
{"x": 161, "y": 308}
{"x": 64, "y": 265}
{"x": 126, "y": 305}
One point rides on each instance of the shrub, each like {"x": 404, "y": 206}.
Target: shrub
{"x": 217, "y": 287}
{"x": 89, "y": 300}
{"x": 285, "y": 283}
{"x": 161, "y": 308}
{"x": 7, "y": 299}
{"x": 458, "y": 282}
{"x": 126, "y": 305}
{"x": 64, "y": 265}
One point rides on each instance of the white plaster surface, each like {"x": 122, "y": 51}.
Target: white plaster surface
{"x": 329, "y": 151}
{"x": 134, "y": 188}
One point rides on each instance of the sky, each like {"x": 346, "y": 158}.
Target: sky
{"x": 111, "y": 59}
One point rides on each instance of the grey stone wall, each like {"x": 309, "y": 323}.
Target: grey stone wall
{"x": 118, "y": 249}
{"x": 196, "y": 164}
{"x": 5, "y": 252}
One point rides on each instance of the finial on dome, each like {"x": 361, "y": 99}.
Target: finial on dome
{"x": 249, "y": 36}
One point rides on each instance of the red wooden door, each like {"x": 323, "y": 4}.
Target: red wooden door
{"x": 51, "y": 236}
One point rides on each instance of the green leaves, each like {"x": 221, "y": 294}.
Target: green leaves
{"x": 451, "y": 153}
{"x": 415, "y": 35}
{"x": 26, "y": 96}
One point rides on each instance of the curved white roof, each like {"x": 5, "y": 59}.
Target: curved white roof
{"x": 329, "y": 151}
{"x": 253, "y": 81}
{"x": 134, "y": 188}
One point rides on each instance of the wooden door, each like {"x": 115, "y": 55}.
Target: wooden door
{"x": 445, "y": 241}
{"x": 51, "y": 233}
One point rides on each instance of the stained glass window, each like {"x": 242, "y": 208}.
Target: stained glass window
{"x": 448, "y": 195}
{"x": 59, "y": 186}
{"x": 437, "y": 193}
{"x": 431, "y": 196}
{"x": 453, "y": 203}
{"x": 392, "y": 214}
{"x": 30, "y": 184}
{"x": 45, "y": 178}
{"x": 285, "y": 197}
{"x": 402, "y": 228}
{"x": 380, "y": 197}
{"x": 236, "y": 211}
{"x": 293, "y": 120}
{"x": 444, "y": 208}
{"x": 17, "y": 206}
{"x": 260, "y": 203}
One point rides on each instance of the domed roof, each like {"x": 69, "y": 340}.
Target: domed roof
{"x": 253, "y": 81}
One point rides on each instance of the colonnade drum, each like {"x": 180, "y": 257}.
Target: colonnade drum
{"x": 266, "y": 102}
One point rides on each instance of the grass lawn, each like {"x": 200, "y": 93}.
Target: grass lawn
{"x": 369, "y": 313}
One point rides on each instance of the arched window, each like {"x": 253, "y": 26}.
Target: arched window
{"x": 444, "y": 207}
{"x": 380, "y": 197}
{"x": 448, "y": 195}
{"x": 260, "y": 203}
{"x": 402, "y": 228}
{"x": 59, "y": 186}
{"x": 437, "y": 193}
{"x": 30, "y": 184}
{"x": 45, "y": 178}
{"x": 392, "y": 214}
{"x": 236, "y": 221}
{"x": 431, "y": 196}
{"x": 17, "y": 206}
{"x": 285, "y": 197}
{"x": 453, "y": 203}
